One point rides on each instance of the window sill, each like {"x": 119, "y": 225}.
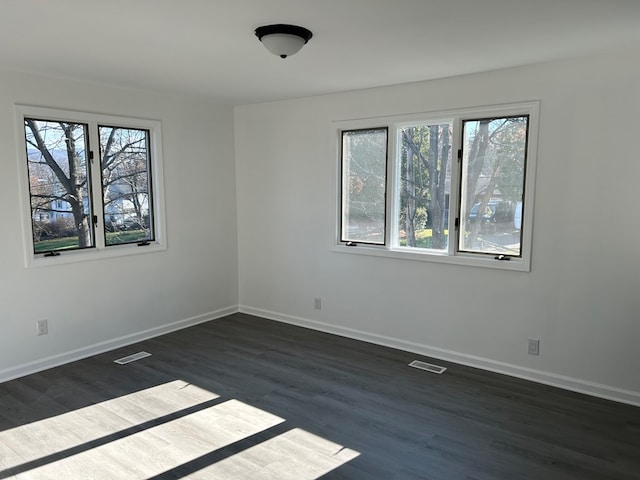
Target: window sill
{"x": 514, "y": 264}
{"x": 91, "y": 254}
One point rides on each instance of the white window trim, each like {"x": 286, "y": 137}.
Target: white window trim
{"x": 451, "y": 256}
{"x": 99, "y": 251}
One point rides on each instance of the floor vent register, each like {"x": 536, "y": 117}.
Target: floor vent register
{"x": 132, "y": 358}
{"x": 429, "y": 367}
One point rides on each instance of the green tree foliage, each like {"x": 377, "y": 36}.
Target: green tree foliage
{"x": 425, "y": 156}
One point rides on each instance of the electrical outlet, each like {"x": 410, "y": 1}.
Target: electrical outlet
{"x": 534, "y": 346}
{"x": 317, "y": 303}
{"x": 42, "y": 327}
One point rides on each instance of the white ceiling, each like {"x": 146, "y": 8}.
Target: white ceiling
{"x": 207, "y": 47}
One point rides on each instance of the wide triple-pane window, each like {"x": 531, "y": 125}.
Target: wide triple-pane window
{"x": 90, "y": 183}
{"x": 461, "y": 183}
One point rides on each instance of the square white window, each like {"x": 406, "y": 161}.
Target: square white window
{"x": 93, "y": 185}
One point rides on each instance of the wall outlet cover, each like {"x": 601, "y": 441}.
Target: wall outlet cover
{"x": 42, "y": 327}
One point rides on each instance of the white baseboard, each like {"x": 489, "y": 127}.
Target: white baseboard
{"x": 547, "y": 378}
{"x": 84, "y": 352}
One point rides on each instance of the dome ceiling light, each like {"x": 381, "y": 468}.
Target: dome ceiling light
{"x": 283, "y": 40}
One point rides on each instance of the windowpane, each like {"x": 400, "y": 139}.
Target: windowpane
{"x": 126, "y": 190}
{"x": 364, "y": 168}
{"x": 493, "y": 174}
{"x": 424, "y": 184}
{"x": 58, "y": 187}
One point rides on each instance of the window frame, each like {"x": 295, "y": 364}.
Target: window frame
{"x": 385, "y": 193}
{"x": 100, "y": 249}
{"x": 150, "y": 178}
{"x": 452, "y": 254}
{"x": 458, "y": 239}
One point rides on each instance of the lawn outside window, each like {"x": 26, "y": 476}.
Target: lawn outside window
{"x": 92, "y": 185}
{"x": 454, "y": 187}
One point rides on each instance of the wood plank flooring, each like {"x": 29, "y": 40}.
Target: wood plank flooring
{"x": 248, "y": 398}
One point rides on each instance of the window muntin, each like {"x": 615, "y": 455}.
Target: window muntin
{"x": 519, "y": 213}
{"x": 364, "y": 172}
{"x": 494, "y": 153}
{"x": 59, "y": 187}
{"x": 126, "y": 185}
{"x": 423, "y": 185}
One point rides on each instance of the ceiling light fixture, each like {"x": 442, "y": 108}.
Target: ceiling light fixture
{"x": 283, "y": 40}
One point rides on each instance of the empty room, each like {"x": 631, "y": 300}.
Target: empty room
{"x": 296, "y": 239}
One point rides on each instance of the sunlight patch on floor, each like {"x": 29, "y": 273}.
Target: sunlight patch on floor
{"x": 161, "y": 448}
{"x": 293, "y": 455}
{"x": 51, "y": 435}
{"x": 112, "y": 440}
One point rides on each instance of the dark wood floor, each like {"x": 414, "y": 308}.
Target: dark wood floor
{"x": 248, "y": 398}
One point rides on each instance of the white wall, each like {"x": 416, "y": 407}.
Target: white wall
{"x": 100, "y": 304}
{"x": 582, "y": 296}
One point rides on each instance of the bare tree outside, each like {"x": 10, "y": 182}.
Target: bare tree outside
{"x": 59, "y": 167}
{"x": 58, "y": 174}
{"x": 124, "y": 154}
